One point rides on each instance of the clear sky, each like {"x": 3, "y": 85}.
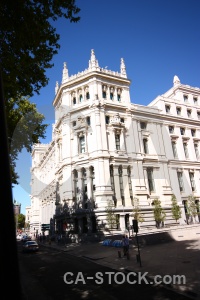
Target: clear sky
{"x": 157, "y": 39}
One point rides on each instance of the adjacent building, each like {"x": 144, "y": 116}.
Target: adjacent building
{"x": 107, "y": 151}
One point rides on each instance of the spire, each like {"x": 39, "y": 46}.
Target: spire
{"x": 56, "y": 87}
{"x": 93, "y": 62}
{"x": 65, "y": 75}
{"x": 176, "y": 80}
{"x": 123, "y": 68}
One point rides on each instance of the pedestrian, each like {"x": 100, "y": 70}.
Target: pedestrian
{"x": 125, "y": 244}
{"x": 126, "y": 240}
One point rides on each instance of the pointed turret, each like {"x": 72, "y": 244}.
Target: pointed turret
{"x": 93, "y": 62}
{"x": 123, "y": 68}
{"x": 65, "y": 75}
{"x": 176, "y": 80}
{"x": 56, "y": 87}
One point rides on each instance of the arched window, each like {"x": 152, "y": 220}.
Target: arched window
{"x": 84, "y": 184}
{"x": 119, "y": 95}
{"x": 87, "y": 94}
{"x": 111, "y": 93}
{"x": 93, "y": 186}
{"x": 104, "y": 88}
{"x": 80, "y": 98}
{"x": 75, "y": 178}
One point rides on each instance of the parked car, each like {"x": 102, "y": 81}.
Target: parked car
{"x": 19, "y": 237}
{"x": 30, "y": 246}
{"x": 25, "y": 238}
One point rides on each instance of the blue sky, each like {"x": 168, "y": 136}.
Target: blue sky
{"x": 157, "y": 39}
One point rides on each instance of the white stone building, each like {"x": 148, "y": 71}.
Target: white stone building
{"x": 106, "y": 148}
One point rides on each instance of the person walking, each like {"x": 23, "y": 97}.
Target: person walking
{"x": 126, "y": 241}
{"x": 125, "y": 244}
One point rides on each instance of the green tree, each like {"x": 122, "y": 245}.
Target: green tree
{"x": 192, "y": 207}
{"x": 28, "y": 43}
{"x": 25, "y": 128}
{"x": 110, "y": 215}
{"x": 176, "y": 210}
{"x": 21, "y": 221}
{"x": 137, "y": 214}
{"x": 159, "y": 213}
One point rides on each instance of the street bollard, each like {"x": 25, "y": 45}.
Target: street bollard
{"x": 128, "y": 255}
{"x": 119, "y": 254}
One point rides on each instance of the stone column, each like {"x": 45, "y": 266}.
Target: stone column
{"x": 122, "y": 222}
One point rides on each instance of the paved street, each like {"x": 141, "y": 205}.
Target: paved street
{"x": 167, "y": 254}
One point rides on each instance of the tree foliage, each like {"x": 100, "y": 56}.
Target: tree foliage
{"x": 25, "y": 128}
{"x": 176, "y": 210}
{"x": 21, "y": 221}
{"x": 159, "y": 213}
{"x": 28, "y": 43}
{"x": 110, "y": 215}
{"x": 192, "y": 207}
{"x": 137, "y": 214}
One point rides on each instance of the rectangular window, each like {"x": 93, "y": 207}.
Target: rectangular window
{"x": 198, "y": 115}
{"x": 171, "y": 129}
{"x": 174, "y": 149}
{"x": 196, "y": 148}
{"x": 118, "y": 97}
{"x": 121, "y": 185}
{"x": 195, "y": 100}
{"x": 150, "y": 179}
{"x": 82, "y": 144}
{"x": 193, "y": 132}
{"x": 88, "y": 121}
{"x": 192, "y": 182}
{"x": 185, "y": 98}
{"x": 189, "y": 113}
{"x": 182, "y": 131}
{"x": 87, "y": 95}
{"x": 185, "y": 147}
{"x": 81, "y": 98}
{"x": 122, "y": 120}
{"x": 130, "y": 183}
{"x": 143, "y": 125}
{"x": 178, "y": 111}
{"x": 167, "y": 108}
{"x": 180, "y": 181}
{"x": 104, "y": 94}
{"x": 107, "y": 119}
{"x": 112, "y": 179}
{"x": 117, "y": 141}
{"x": 145, "y": 146}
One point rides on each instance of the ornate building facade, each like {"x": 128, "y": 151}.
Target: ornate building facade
{"x": 105, "y": 149}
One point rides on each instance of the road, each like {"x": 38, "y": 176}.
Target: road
{"x": 43, "y": 276}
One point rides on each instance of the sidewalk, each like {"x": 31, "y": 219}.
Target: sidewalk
{"x": 179, "y": 255}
